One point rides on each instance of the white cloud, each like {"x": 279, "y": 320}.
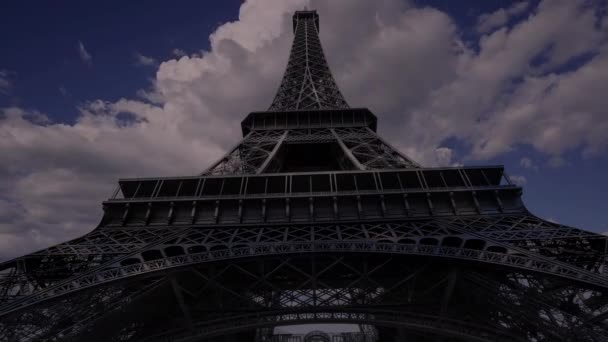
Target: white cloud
{"x": 144, "y": 60}
{"x": 518, "y": 180}
{"x": 488, "y": 22}
{"x": 527, "y": 163}
{"x": 443, "y": 156}
{"x": 85, "y": 56}
{"x": 5, "y": 82}
{"x": 57, "y": 174}
{"x": 518, "y": 8}
{"x": 501, "y": 95}
{"x": 423, "y": 90}
{"x": 178, "y": 52}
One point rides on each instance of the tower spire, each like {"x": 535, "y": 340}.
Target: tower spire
{"x": 307, "y": 82}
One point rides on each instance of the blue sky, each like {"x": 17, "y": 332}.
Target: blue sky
{"x": 71, "y": 70}
{"x": 41, "y": 47}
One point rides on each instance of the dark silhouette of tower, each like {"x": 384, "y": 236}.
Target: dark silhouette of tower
{"x": 313, "y": 218}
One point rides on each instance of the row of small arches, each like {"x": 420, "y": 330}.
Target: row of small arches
{"x": 449, "y": 241}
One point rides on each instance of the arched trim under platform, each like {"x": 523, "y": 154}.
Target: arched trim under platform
{"x": 517, "y": 261}
{"x": 410, "y": 321}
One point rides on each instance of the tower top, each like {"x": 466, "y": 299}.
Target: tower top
{"x": 305, "y": 15}
{"x": 307, "y": 83}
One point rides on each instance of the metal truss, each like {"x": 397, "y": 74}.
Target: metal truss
{"x": 369, "y": 151}
{"x": 438, "y": 238}
{"x": 361, "y": 146}
{"x": 35, "y": 272}
{"x": 249, "y": 155}
{"x": 70, "y": 316}
{"x": 573, "y": 246}
{"x": 548, "y": 301}
{"x": 308, "y": 82}
{"x": 516, "y": 261}
{"x": 225, "y": 297}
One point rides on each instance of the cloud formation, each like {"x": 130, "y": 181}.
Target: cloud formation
{"x": 489, "y": 22}
{"x": 85, "y": 56}
{"x": 514, "y": 90}
{"x": 178, "y": 52}
{"x": 527, "y": 163}
{"x": 144, "y": 60}
{"x": 506, "y": 88}
{"x": 518, "y": 180}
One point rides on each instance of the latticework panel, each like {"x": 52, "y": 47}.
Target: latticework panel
{"x": 250, "y": 155}
{"x": 459, "y": 238}
{"x": 462, "y": 301}
{"x": 308, "y": 82}
{"x": 357, "y": 148}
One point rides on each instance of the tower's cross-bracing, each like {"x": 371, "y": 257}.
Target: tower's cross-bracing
{"x": 307, "y": 83}
{"x": 313, "y": 218}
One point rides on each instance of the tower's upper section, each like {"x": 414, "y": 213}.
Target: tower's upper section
{"x": 307, "y": 83}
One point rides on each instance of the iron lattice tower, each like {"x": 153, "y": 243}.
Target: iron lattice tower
{"x": 313, "y": 217}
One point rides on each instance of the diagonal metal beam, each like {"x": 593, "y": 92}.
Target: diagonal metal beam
{"x": 226, "y": 156}
{"x": 272, "y": 154}
{"x": 180, "y": 301}
{"x": 449, "y": 290}
{"x": 402, "y": 155}
{"x": 346, "y": 151}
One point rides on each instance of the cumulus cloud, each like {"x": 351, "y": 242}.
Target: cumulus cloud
{"x": 57, "y": 174}
{"x": 144, "y": 60}
{"x": 488, "y": 22}
{"x": 5, "y": 82}
{"x": 85, "y": 56}
{"x": 54, "y": 175}
{"x": 511, "y": 90}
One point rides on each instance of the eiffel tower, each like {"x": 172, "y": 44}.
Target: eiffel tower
{"x": 313, "y": 218}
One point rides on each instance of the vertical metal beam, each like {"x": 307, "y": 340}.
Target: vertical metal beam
{"x": 346, "y": 151}
{"x": 306, "y": 65}
{"x": 447, "y": 295}
{"x": 181, "y": 303}
{"x": 272, "y": 154}
{"x": 449, "y": 290}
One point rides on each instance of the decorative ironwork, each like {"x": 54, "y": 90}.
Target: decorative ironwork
{"x": 308, "y": 82}
{"x": 313, "y": 217}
